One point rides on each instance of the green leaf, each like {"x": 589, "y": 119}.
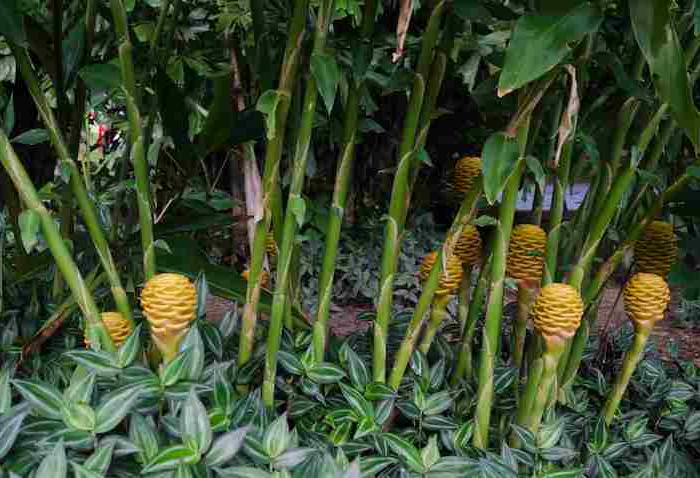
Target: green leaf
{"x": 11, "y": 23}
{"x": 101, "y": 458}
{"x": 327, "y": 75}
{"x": 10, "y": 426}
{"x": 29, "y": 223}
{"x": 472, "y": 10}
{"x": 143, "y": 435}
{"x": 430, "y": 453}
{"x": 407, "y": 453}
{"x": 170, "y": 458}
{"x": 372, "y": 465}
{"x": 130, "y": 349}
{"x": 114, "y": 407}
{"x": 175, "y": 115}
{"x": 298, "y": 207}
{"x": 355, "y": 399}
{"x": 498, "y": 161}
{"x": 657, "y": 38}
{"x": 267, "y": 105}
{"x": 81, "y": 386}
{"x": 277, "y": 437}
{"x": 193, "y": 343}
{"x": 438, "y": 403}
{"x": 9, "y": 116}
{"x": 103, "y": 363}
{"x": 243, "y": 472}
{"x": 326, "y": 373}
{"x": 537, "y": 171}
{"x": 194, "y": 423}
{"x": 32, "y": 137}
{"x": 357, "y": 369}
{"x": 80, "y": 471}
{"x": 5, "y": 391}
{"x": 79, "y": 416}
{"x": 290, "y": 362}
{"x": 101, "y": 76}
{"x": 177, "y": 369}
{"x": 540, "y": 42}
{"x": 226, "y": 446}
{"x": 45, "y": 399}
{"x": 55, "y": 464}
{"x": 292, "y": 458}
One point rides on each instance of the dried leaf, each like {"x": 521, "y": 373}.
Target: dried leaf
{"x": 402, "y": 28}
{"x": 568, "y": 119}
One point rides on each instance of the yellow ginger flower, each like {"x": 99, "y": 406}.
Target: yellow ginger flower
{"x": 468, "y": 247}
{"x": 270, "y": 246}
{"x": 118, "y": 327}
{"x": 451, "y": 276}
{"x": 526, "y": 252}
{"x": 656, "y": 250}
{"x": 169, "y": 302}
{"x": 467, "y": 172}
{"x": 646, "y": 298}
{"x": 264, "y": 275}
{"x": 557, "y": 311}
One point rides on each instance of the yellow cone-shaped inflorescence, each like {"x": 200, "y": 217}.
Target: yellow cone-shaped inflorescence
{"x": 557, "y": 311}
{"x": 451, "y": 276}
{"x": 468, "y": 247}
{"x": 169, "y": 302}
{"x": 270, "y": 246}
{"x": 646, "y": 298}
{"x": 655, "y": 251}
{"x": 264, "y": 277}
{"x": 466, "y": 174}
{"x": 118, "y": 327}
{"x": 526, "y": 252}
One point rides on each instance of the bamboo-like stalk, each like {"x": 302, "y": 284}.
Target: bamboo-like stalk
{"x": 400, "y": 195}
{"x": 136, "y": 138}
{"x": 464, "y": 295}
{"x": 550, "y": 359}
{"x": 437, "y": 316}
{"x": 85, "y": 203}
{"x": 465, "y": 368}
{"x": 465, "y": 214}
{"x": 294, "y": 203}
{"x": 629, "y": 365}
{"x": 494, "y": 309}
{"x": 527, "y": 290}
{"x": 271, "y": 179}
{"x": 340, "y": 192}
{"x": 99, "y": 336}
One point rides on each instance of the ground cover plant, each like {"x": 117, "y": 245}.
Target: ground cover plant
{"x": 302, "y": 159}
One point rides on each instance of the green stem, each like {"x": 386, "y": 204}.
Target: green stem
{"x": 494, "y": 309}
{"x": 465, "y": 288}
{"x": 294, "y": 204}
{"x": 271, "y": 179}
{"x": 528, "y": 398}
{"x": 97, "y": 331}
{"x": 85, "y": 202}
{"x": 465, "y": 368}
{"x": 340, "y": 192}
{"x": 136, "y": 137}
{"x": 550, "y": 359}
{"x": 465, "y": 214}
{"x": 437, "y": 316}
{"x": 526, "y": 296}
{"x": 400, "y": 195}
{"x": 632, "y": 358}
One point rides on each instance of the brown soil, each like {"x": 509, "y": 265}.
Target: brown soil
{"x": 611, "y": 316}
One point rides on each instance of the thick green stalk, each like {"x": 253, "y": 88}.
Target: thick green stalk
{"x": 534, "y": 375}
{"x": 400, "y": 195}
{"x": 464, "y": 368}
{"x": 632, "y": 358}
{"x": 340, "y": 192}
{"x": 550, "y": 359}
{"x": 271, "y": 178}
{"x": 136, "y": 138}
{"x": 465, "y": 288}
{"x": 2, "y": 265}
{"x": 437, "y": 316}
{"x": 85, "y": 202}
{"x": 494, "y": 309}
{"x": 97, "y": 331}
{"x": 465, "y": 214}
{"x": 295, "y": 203}
{"x": 526, "y": 295}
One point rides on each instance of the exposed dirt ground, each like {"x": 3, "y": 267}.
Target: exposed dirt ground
{"x": 611, "y": 316}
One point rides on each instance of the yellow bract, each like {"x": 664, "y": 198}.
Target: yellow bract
{"x": 557, "y": 311}
{"x": 270, "y": 245}
{"x": 451, "y": 276}
{"x": 646, "y": 298}
{"x": 169, "y": 302}
{"x": 656, "y": 250}
{"x": 468, "y": 247}
{"x": 118, "y": 327}
{"x": 526, "y": 252}
{"x": 264, "y": 277}
{"x": 466, "y": 173}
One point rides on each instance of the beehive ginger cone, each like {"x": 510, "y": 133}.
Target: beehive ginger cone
{"x": 466, "y": 173}
{"x": 655, "y": 251}
{"x": 557, "y": 312}
{"x": 468, "y": 246}
{"x": 118, "y": 327}
{"x": 646, "y": 298}
{"x": 169, "y": 302}
{"x": 450, "y": 277}
{"x": 526, "y": 252}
